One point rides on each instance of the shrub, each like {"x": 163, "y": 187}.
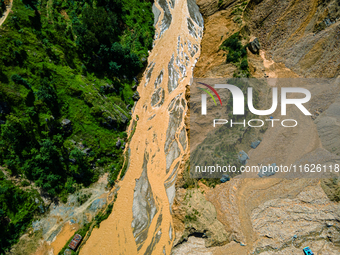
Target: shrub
{"x": 237, "y": 54}
{"x": 244, "y": 64}
{"x": 19, "y": 80}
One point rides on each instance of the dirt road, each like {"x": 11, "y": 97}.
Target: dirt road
{"x": 4, "y": 16}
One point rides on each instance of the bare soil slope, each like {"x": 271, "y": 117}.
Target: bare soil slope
{"x": 281, "y": 216}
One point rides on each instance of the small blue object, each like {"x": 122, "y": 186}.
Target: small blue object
{"x": 295, "y": 236}
{"x": 225, "y": 178}
{"x": 41, "y": 208}
{"x": 307, "y": 251}
{"x": 271, "y": 117}
{"x": 255, "y": 144}
{"x": 242, "y": 156}
{"x": 268, "y": 171}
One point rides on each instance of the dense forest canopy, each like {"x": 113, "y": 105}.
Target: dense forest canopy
{"x": 67, "y": 85}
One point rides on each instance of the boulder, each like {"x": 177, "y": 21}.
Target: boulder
{"x": 72, "y": 160}
{"x": 124, "y": 119}
{"x": 118, "y": 144}
{"x": 135, "y": 96}
{"x": 110, "y": 123}
{"x": 4, "y": 108}
{"x": 87, "y": 151}
{"x": 66, "y": 122}
{"x": 225, "y": 178}
{"x": 254, "y": 46}
{"x": 107, "y": 89}
{"x": 255, "y": 144}
{"x": 242, "y": 156}
{"x": 67, "y": 125}
{"x": 267, "y": 171}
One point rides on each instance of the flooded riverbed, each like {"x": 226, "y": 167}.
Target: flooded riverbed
{"x": 141, "y": 221}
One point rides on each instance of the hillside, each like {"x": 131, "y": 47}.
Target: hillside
{"x": 68, "y": 75}
{"x": 99, "y": 127}
{"x": 276, "y": 215}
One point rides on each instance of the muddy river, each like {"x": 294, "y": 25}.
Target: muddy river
{"x": 141, "y": 221}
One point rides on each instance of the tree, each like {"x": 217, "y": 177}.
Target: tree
{"x": 81, "y": 170}
{"x": 244, "y": 64}
{"x": 46, "y": 92}
{"x": 44, "y": 167}
{"x": 19, "y": 80}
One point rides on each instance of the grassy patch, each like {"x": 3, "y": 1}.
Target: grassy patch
{"x": 17, "y": 210}
{"x": 28, "y": 245}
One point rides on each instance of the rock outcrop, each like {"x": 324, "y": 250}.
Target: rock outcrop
{"x": 287, "y": 225}
{"x": 199, "y": 217}
{"x": 254, "y": 46}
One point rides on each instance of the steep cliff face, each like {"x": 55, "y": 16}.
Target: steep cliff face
{"x": 267, "y": 216}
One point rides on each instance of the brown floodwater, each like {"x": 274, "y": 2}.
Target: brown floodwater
{"x": 141, "y": 222}
{"x": 65, "y": 234}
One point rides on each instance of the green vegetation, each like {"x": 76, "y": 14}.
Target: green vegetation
{"x": 188, "y": 182}
{"x": 235, "y": 49}
{"x": 81, "y": 232}
{"x": 238, "y": 20}
{"x": 238, "y": 12}
{"x": 82, "y": 198}
{"x": 17, "y": 209}
{"x": 86, "y": 230}
{"x": 237, "y": 54}
{"x": 190, "y": 217}
{"x": 29, "y": 244}
{"x": 332, "y": 188}
{"x": 66, "y": 78}
{"x": 239, "y": 9}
